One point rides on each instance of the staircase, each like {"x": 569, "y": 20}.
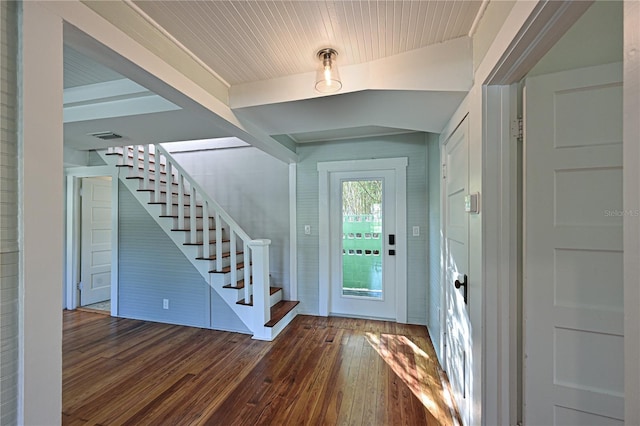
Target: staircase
{"x": 234, "y": 265}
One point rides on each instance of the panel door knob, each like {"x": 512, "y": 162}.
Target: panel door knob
{"x": 463, "y": 284}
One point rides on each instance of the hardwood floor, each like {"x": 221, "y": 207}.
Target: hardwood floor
{"x": 318, "y": 371}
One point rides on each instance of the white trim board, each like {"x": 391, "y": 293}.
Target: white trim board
{"x": 293, "y": 235}
{"x": 631, "y": 203}
{"x": 399, "y": 165}
{"x": 73, "y": 175}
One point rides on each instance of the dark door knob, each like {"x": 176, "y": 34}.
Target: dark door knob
{"x": 463, "y": 284}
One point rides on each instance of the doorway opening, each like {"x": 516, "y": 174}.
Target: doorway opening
{"x": 91, "y": 267}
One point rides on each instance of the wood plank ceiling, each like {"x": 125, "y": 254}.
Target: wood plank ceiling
{"x": 79, "y": 70}
{"x": 246, "y": 41}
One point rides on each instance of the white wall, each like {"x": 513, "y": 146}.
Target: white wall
{"x": 253, "y": 188}
{"x": 596, "y": 38}
{"x": 410, "y": 145}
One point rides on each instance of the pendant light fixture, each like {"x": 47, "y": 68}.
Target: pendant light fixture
{"x": 327, "y": 77}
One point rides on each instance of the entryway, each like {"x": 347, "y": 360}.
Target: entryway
{"x": 95, "y": 242}
{"x": 91, "y": 239}
{"x": 363, "y": 238}
{"x": 362, "y": 258}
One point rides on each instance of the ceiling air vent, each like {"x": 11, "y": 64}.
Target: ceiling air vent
{"x": 106, "y": 136}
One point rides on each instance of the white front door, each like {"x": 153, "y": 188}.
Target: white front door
{"x": 573, "y": 288}
{"x": 363, "y": 230}
{"x": 456, "y": 237}
{"x": 95, "y": 262}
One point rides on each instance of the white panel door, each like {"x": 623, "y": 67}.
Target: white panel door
{"x": 363, "y": 262}
{"x": 95, "y": 263}
{"x": 573, "y": 301}
{"x": 456, "y": 236}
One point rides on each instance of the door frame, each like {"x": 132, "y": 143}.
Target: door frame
{"x": 74, "y": 176}
{"x": 399, "y": 165}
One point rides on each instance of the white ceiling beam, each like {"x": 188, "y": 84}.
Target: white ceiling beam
{"x": 442, "y": 67}
{"x": 118, "y": 108}
{"x": 133, "y": 60}
{"x": 101, "y": 91}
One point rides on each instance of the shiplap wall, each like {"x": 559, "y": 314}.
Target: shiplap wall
{"x": 253, "y": 188}
{"x": 433, "y": 187}
{"x": 151, "y": 268}
{"x": 411, "y": 145}
{"x": 9, "y": 255}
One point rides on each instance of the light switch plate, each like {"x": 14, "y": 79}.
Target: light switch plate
{"x": 471, "y": 203}
{"x": 416, "y": 231}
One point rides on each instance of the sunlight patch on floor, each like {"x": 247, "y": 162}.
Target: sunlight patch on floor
{"x": 417, "y": 370}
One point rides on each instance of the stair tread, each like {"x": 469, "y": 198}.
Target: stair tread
{"x": 213, "y": 256}
{"x": 200, "y": 243}
{"x": 280, "y": 310}
{"x": 175, "y": 216}
{"x": 238, "y": 286}
{"x": 162, "y": 203}
{"x": 151, "y": 154}
{"x": 163, "y": 191}
{"x": 150, "y": 179}
{"x": 189, "y": 229}
{"x": 272, "y": 291}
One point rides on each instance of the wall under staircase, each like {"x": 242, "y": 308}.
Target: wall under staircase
{"x": 222, "y": 266}
{"x": 152, "y": 268}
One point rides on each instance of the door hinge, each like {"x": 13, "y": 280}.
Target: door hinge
{"x": 81, "y": 192}
{"x": 80, "y": 286}
{"x": 444, "y": 171}
{"x": 517, "y": 129}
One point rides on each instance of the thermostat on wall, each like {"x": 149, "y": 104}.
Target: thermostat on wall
{"x": 471, "y": 203}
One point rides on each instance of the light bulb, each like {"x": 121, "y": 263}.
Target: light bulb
{"x": 327, "y": 74}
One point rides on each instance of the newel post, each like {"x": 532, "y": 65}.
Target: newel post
{"x": 260, "y": 267}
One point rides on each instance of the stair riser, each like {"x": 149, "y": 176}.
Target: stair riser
{"x": 227, "y": 276}
{"x": 163, "y": 197}
{"x": 226, "y": 246}
{"x": 226, "y": 261}
{"x": 187, "y": 223}
{"x": 175, "y": 210}
{"x": 163, "y": 186}
{"x": 212, "y": 236}
{"x": 139, "y": 171}
{"x": 273, "y": 299}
